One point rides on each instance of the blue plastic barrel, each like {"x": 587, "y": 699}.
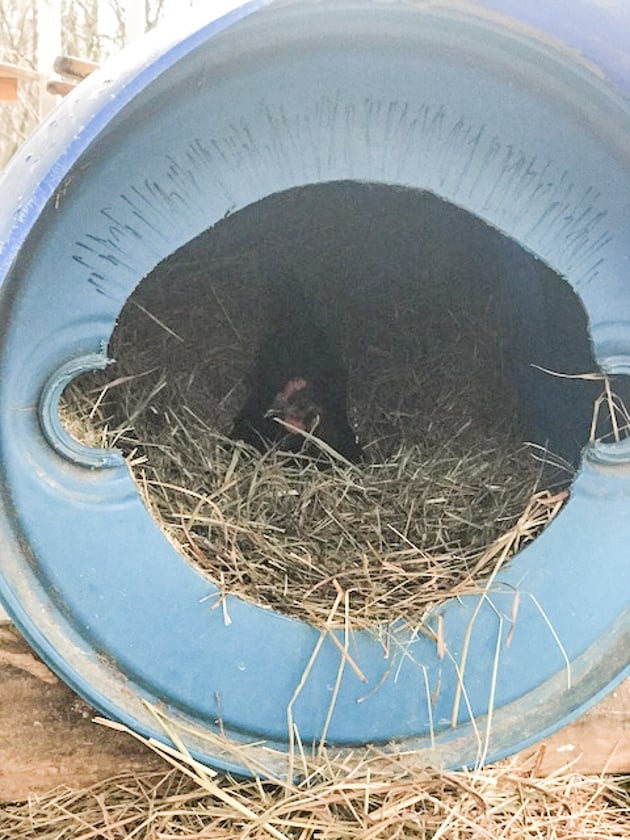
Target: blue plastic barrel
{"x": 515, "y": 111}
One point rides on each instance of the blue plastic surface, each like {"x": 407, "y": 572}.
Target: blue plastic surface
{"x": 161, "y": 144}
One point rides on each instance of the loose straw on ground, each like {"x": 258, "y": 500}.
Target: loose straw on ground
{"x": 367, "y": 796}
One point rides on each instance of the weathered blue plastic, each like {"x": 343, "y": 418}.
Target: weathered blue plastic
{"x": 501, "y": 108}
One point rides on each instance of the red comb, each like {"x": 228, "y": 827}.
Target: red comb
{"x": 291, "y": 387}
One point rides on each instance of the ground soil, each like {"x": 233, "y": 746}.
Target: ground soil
{"x": 47, "y": 736}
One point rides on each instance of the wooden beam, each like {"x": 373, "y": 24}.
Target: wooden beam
{"x": 59, "y": 87}
{"x": 74, "y": 68}
{"x": 8, "y": 89}
{"x": 47, "y": 736}
{"x": 14, "y": 71}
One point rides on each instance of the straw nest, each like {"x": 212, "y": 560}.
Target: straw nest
{"x": 366, "y": 797}
{"x": 447, "y": 485}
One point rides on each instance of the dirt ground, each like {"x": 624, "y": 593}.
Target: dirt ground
{"x": 47, "y": 736}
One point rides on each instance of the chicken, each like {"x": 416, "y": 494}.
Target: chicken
{"x": 298, "y": 379}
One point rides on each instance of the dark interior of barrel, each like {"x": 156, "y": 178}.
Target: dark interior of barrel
{"x": 426, "y": 308}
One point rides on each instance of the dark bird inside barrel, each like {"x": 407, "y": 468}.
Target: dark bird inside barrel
{"x": 298, "y": 384}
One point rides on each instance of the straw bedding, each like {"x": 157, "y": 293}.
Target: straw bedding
{"x": 364, "y": 798}
{"x": 445, "y": 482}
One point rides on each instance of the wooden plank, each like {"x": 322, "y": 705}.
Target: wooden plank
{"x": 8, "y": 89}
{"x": 59, "y": 87}
{"x": 13, "y": 71}
{"x": 74, "y": 68}
{"x": 47, "y": 736}
{"x": 597, "y": 742}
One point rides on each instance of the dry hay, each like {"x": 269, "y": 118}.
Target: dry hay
{"x": 398, "y": 535}
{"x": 423, "y": 518}
{"x": 365, "y": 798}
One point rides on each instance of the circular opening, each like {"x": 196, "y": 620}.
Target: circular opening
{"x": 438, "y": 336}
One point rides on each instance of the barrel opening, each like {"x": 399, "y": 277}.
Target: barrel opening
{"x": 450, "y": 336}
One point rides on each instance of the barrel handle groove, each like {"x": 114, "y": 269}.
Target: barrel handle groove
{"x": 54, "y": 431}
